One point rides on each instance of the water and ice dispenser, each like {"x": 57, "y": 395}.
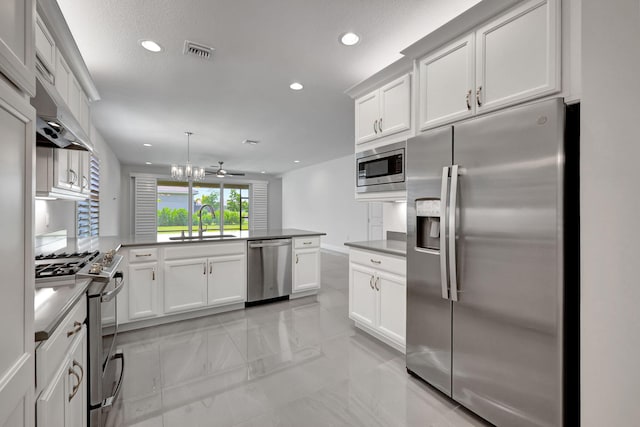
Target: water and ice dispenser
{"x": 428, "y": 224}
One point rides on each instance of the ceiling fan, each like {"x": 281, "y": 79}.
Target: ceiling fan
{"x": 221, "y": 173}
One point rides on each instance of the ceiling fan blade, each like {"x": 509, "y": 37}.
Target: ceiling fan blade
{"x": 234, "y": 174}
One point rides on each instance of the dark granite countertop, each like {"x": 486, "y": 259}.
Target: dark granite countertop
{"x": 392, "y": 247}
{"x": 52, "y": 304}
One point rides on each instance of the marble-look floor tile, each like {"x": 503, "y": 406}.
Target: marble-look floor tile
{"x": 299, "y": 362}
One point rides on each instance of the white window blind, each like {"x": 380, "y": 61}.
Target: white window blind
{"x": 259, "y": 201}
{"x": 145, "y": 205}
{"x": 88, "y": 211}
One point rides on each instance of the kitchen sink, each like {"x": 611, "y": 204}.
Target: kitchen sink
{"x": 216, "y": 236}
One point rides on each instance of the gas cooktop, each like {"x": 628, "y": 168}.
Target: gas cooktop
{"x": 60, "y": 268}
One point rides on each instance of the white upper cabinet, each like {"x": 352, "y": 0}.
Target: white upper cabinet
{"x": 63, "y": 77}
{"x": 395, "y": 106}
{"x": 385, "y": 111}
{"x": 17, "y": 58}
{"x": 518, "y": 55}
{"x": 513, "y": 58}
{"x": 367, "y": 115}
{"x": 45, "y": 47}
{"x": 447, "y": 83}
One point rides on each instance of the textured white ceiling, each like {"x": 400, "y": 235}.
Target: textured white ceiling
{"x": 261, "y": 46}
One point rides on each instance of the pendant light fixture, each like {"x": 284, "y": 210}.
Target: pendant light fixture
{"x": 187, "y": 172}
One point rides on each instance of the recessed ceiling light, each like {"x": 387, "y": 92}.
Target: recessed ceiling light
{"x": 148, "y": 163}
{"x": 296, "y": 86}
{"x": 150, "y": 45}
{"x": 147, "y": 145}
{"x": 349, "y": 39}
{"x": 263, "y": 171}
{"x": 296, "y": 161}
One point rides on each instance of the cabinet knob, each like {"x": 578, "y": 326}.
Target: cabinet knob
{"x": 478, "y": 95}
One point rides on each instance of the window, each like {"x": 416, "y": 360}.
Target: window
{"x": 88, "y": 211}
{"x": 180, "y": 206}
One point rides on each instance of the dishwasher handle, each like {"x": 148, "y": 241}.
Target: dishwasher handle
{"x": 269, "y": 243}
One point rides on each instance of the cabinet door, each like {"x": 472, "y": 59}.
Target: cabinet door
{"x": 392, "y": 316}
{"x": 367, "y": 115}
{"x": 447, "y": 84}
{"x": 143, "y": 290}
{"x": 85, "y": 165}
{"x": 85, "y": 113}
{"x": 17, "y": 45}
{"x": 75, "y": 169}
{"x": 395, "y": 106}
{"x": 45, "y": 46}
{"x": 61, "y": 165}
{"x": 50, "y": 406}
{"x": 16, "y": 304}
{"x": 76, "y": 392}
{"x": 185, "y": 284}
{"x": 517, "y": 55}
{"x": 227, "y": 280}
{"x": 306, "y": 272}
{"x": 63, "y": 76}
{"x": 362, "y": 295}
{"x": 74, "y": 97}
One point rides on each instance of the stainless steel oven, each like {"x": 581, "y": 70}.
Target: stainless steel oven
{"x": 106, "y": 363}
{"x": 381, "y": 169}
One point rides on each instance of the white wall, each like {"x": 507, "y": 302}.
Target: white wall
{"x": 321, "y": 198}
{"x": 274, "y": 191}
{"x": 394, "y": 217}
{"x": 610, "y": 234}
{"x": 109, "y": 186}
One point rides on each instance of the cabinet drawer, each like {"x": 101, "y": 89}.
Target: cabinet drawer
{"x": 143, "y": 255}
{"x": 378, "y": 261}
{"x": 307, "y": 242}
{"x": 51, "y": 353}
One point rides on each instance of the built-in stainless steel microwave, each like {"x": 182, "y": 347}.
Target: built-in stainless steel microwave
{"x": 381, "y": 169}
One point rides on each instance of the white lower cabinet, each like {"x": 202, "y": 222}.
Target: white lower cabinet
{"x": 225, "y": 275}
{"x": 306, "y": 264}
{"x": 143, "y": 290}
{"x": 63, "y": 402}
{"x": 377, "y": 295}
{"x": 185, "y": 284}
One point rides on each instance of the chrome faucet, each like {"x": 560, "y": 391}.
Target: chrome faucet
{"x": 213, "y": 212}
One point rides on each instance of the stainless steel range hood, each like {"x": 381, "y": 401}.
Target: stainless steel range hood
{"x": 55, "y": 125}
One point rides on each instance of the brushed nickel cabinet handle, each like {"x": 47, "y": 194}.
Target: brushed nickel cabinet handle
{"x": 297, "y": 259}
{"x": 142, "y": 255}
{"x": 371, "y": 282}
{"x": 77, "y": 326}
{"x": 307, "y": 243}
{"x": 375, "y": 127}
{"x": 478, "y": 94}
{"x": 76, "y": 363}
{"x": 74, "y": 177}
{"x": 210, "y": 267}
{"x": 469, "y": 100}
{"x": 204, "y": 268}
{"x": 380, "y": 125}
{"x": 153, "y": 274}
{"x": 376, "y": 261}
{"x": 75, "y": 387}
{"x": 377, "y": 281}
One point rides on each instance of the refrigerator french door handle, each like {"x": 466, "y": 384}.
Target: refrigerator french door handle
{"x": 443, "y": 233}
{"x": 453, "y": 203}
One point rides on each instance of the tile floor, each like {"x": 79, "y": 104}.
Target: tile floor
{"x": 293, "y": 363}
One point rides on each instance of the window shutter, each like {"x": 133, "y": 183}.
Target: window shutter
{"x": 258, "y": 206}
{"x": 88, "y": 211}
{"x": 145, "y": 208}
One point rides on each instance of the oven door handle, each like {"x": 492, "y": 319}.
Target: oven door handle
{"x": 108, "y": 402}
{"x": 108, "y": 296}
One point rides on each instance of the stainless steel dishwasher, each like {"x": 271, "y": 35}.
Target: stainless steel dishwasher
{"x": 268, "y": 270}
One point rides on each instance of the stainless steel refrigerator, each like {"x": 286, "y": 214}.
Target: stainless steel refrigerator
{"x": 485, "y": 281}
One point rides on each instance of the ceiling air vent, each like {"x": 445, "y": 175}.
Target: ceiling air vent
{"x": 198, "y": 50}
